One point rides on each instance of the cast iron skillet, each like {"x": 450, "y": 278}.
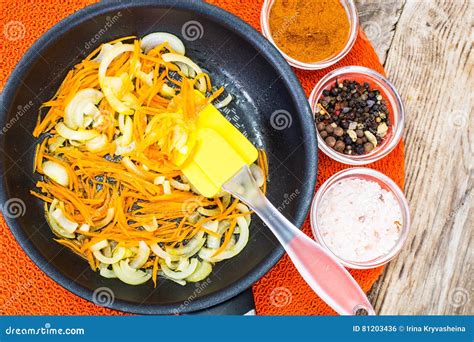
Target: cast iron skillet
{"x": 271, "y": 108}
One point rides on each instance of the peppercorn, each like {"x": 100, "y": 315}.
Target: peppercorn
{"x": 360, "y": 150}
{"x": 330, "y": 141}
{"x": 329, "y": 129}
{"x": 368, "y": 147}
{"x": 347, "y": 139}
{"x": 338, "y": 131}
{"x": 340, "y": 146}
{"x": 355, "y": 107}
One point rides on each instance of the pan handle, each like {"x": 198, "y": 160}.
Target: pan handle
{"x": 323, "y": 273}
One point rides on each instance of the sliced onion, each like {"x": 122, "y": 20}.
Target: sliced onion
{"x": 105, "y": 272}
{"x": 213, "y": 242}
{"x": 83, "y": 102}
{"x": 167, "y": 91}
{"x": 166, "y": 187}
{"x": 127, "y": 131}
{"x": 106, "y": 220}
{"x": 104, "y": 49}
{"x": 98, "y": 143}
{"x": 219, "y": 228}
{"x": 133, "y": 168}
{"x": 180, "y": 274}
{"x": 108, "y": 88}
{"x": 224, "y": 102}
{"x": 183, "y": 264}
{"x": 178, "y": 185}
{"x": 56, "y": 143}
{"x": 56, "y": 229}
{"x": 202, "y": 271}
{"x": 79, "y": 135}
{"x": 122, "y": 150}
{"x": 146, "y": 78}
{"x": 152, "y": 40}
{"x": 66, "y": 224}
{"x": 195, "y": 242}
{"x": 110, "y": 55}
{"x": 84, "y": 227}
{"x": 129, "y": 275}
{"x": 162, "y": 254}
{"x": 207, "y": 253}
{"x": 99, "y": 245}
{"x": 242, "y": 208}
{"x": 117, "y": 255}
{"x": 173, "y": 57}
{"x": 56, "y": 172}
{"x": 184, "y": 68}
{"x": 211, "y": 225}
{"x": 208, "y": 212}
{"x": 152, "y": 226}
{"x": 142, "y": 255}
{"x": 159, "y": 180}
{"x": 178, "y": 281}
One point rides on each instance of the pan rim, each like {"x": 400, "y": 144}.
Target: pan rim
{"x": 260, "y": 44}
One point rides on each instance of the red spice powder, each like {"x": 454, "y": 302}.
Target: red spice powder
{"x": 309, "y": 30}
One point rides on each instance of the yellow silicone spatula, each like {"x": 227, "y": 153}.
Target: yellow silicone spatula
{"x": 220, "y": 151}
{"x": 219, "y": 162}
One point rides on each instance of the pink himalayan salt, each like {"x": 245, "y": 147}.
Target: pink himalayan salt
{"x": 358, "y": 220}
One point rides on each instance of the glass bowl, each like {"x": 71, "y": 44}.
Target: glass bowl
{"x": 385, "y": 183}
{"x": 388, "y": 92}
{"x": 353, "y": 17}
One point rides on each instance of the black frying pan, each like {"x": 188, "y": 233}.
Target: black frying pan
{"x": 236, "y": 56}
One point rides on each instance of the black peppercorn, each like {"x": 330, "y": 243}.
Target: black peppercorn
{"x": 330, "y": 141}
{"x": 350, "y": 109}
{"x": 339, "y": 147}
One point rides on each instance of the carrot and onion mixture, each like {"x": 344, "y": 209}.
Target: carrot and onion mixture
{"x": 113, "y": 140}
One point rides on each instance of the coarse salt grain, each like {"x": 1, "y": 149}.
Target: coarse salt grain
{"x": 358, "y": 220}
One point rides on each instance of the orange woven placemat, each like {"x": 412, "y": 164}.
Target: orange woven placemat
{"x": 24, "y": 289}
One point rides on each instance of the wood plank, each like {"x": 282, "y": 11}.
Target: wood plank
{"x": 430, "y": 62}
{"x": 378, "y": 19}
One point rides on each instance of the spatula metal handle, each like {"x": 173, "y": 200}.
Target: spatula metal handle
{"x": 323, "y": 273}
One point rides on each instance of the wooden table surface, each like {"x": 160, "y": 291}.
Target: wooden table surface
{"x": 425, "y": 46}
